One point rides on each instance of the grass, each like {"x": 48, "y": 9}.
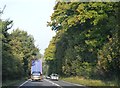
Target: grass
{"x": 89, "y": 82}
{"x": 13, "y": 82}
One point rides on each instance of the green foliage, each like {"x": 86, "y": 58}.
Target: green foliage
{"x": 109, "y": 61}
{"x": 17, "y": 51}
{"x": 88, "y": 45}
{"x": 24, "y": 47}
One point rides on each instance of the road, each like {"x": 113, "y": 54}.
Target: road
{"x": 46, "y": 83}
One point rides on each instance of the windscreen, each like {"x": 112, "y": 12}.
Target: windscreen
{"x": 36, "y": 73}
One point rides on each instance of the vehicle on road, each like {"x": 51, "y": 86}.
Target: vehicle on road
{"x": 36, "y": 76}
{"x": 47, "y": 77}
{"x": 36, "y": 69}
{"x": 54, "y": 77}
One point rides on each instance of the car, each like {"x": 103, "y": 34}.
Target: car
{"x": 36, "y": 76}
{"x": 54, "y": 77}
{"x": 47, "y": 77}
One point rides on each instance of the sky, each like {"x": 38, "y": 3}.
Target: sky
{"x": 31, "y": 16}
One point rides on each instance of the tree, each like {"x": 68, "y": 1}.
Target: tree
{"x": 18, "y": 49}
{"x": 24, "y": 48}
{"x": 88, "y": 28}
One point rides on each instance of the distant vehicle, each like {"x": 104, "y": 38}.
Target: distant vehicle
{"x": 47, "y": 77}
{"x": 54, "y": 77}
{"x": 36, "y": 69}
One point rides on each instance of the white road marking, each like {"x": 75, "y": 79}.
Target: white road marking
{"x": 51, "y": 82}
{"x": 23, "y": 83}
{"x": 72, "y": 83}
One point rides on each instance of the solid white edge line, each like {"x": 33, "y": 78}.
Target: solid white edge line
{"x": 73, "y": 83}
{"x": 52, "y": 82}
{"x": 23, "y": 83}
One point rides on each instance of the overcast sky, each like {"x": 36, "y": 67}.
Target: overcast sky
{"x": 31, "y": 16}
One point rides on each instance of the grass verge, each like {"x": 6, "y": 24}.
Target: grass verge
{"x": 13, "y": 82}
{"x": 89, "y": 82}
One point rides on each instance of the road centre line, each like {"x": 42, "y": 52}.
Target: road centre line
{"x": 51, "y": 82}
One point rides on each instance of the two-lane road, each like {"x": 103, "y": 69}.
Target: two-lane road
{"x": 46, "y": 83}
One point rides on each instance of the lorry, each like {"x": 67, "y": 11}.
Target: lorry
{"x": 36, "y": 69}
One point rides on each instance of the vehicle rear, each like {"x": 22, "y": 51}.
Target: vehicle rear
{"x": 36, "y": 76}
{"x": 54, "y": 76}
{"x": 36, "y": 69}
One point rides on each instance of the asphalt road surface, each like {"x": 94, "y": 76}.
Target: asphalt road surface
{"x": 46, "y": 83}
